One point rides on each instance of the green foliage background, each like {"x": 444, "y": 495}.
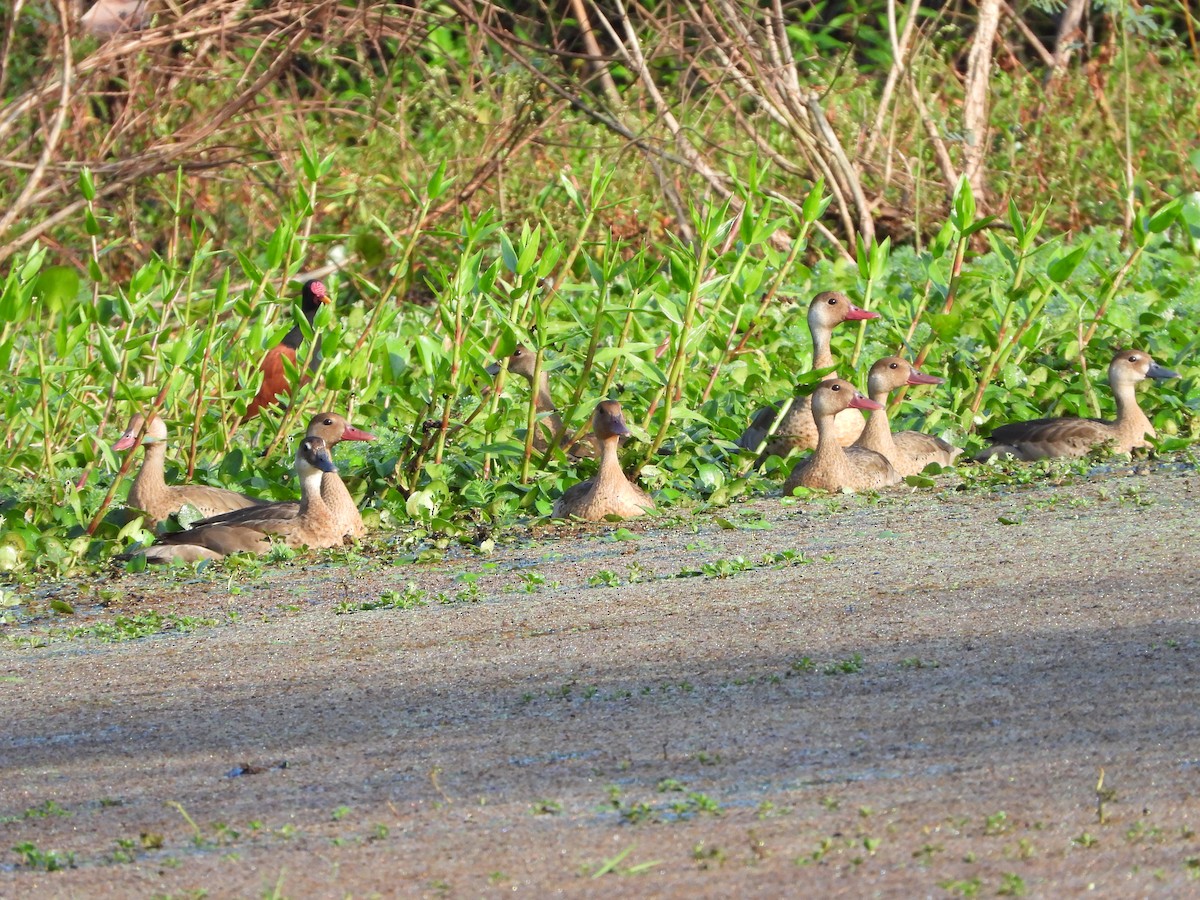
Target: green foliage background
{"x": 467, "y": 208}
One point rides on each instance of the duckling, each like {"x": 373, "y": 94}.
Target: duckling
{"x": 314, "y": 526}
{"x": 332, "y": 429}
{"x": 831, "y": 466}
{"x": 798, "y": 431}
{"x": 550, "y": 425}
{"x": 1068, "y": 436}
{"x": 150, "y": 492}
{"x": 609, "y": 493}
{"x": 909, "y": 452}
{"x": 275, "y": 381}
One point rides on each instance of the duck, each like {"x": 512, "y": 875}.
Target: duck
{"x": 150, "y": 492}
{"x": 109, "y": 17}
{"x": 549, "y": 423}
{"x": 833, "y": 467}
{"x": 909, "y": 452}
{"x": 332, "y": 429}
{"x": 609, "y": 493}
{"x": 798, "y": 431}
{"x": 314, "y": 526}
{"x": 274, "y": 374}
{"x": 1069, "y": 436}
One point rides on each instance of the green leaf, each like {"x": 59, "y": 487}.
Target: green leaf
{"x": 62, "y": 606}
{"x": 57, "y": 286}
{"x": 86, "y": 186}
{"x": 963, "y": 213}
{"x": 437, "y": 182}
{"x": 108, "y": 352}
{"x": 1062, "y": 268}
{"x": 1165, "y": 217}
{"x": 815, "y": 203}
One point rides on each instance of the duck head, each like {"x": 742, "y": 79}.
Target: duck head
{"x": 1130, "y": 366}
{"x": 608, "y": 421}
{"x": 892, "y": 372}
{"x": 831, "y": 397}
{"x": 331, "y": 428}
{"x": 313, "y": 456}
{"x": 521, "y": 362}
{"x": 830, "y": 308}
{"x": 155, "y": 431}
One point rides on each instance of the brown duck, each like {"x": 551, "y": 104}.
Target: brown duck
{"x": 798, "y": 431}
{"x": 150, "y": 492}
{"x": 550, "y": 425}
{"x": 609, "y": 493}
{"x": 275, "y": 381}
{"x": 332, "y": 429}
{"x": 1041, "y": 438}
{"x": 909, "y": 452}
{"x": 314, "y": 526}
{"x": 833, "y": 467}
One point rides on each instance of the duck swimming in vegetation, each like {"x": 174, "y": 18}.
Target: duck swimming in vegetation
{"x": 1068, "y": 436}
{"x": 909, "y": 452}
{"x": 609, "y": 493}
{"x": 315, "y": 525}
{"x": 798, "y": 430}
{"x": 150, "y": 492}
{"x": 833, "y": 467}
{"x": 332, "y": 429}
{"x": 275, "y": 381}
{"x": 550, "y": 425}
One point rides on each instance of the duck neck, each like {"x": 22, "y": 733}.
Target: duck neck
{"x": 1130, "y": 417}
{"x": 877, "y": 433}
{"x": 151, "y": 479}
{"x": 542, "y": 399}
{"x": 829, "y": 455}
{"x": 822, "y": 355}
{"x": 312, "y": 502}
{"x": 610, "y": 462}
{"x": 334, "y": 493}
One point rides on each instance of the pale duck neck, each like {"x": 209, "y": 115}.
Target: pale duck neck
{"x": 610, "y": 462}
{"x": 312, "y": 503}
{"x": 1131, "y": 422}
{"x": 877, "y": 433}
{"x": 151, "y": 478}
{"x": 822, "y": 355}
{"x": 829, "y": 455}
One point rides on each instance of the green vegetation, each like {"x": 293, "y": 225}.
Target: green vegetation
{"x": 465, "y": 190}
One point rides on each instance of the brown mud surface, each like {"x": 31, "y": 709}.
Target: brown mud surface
{"x": 924, "y": 707}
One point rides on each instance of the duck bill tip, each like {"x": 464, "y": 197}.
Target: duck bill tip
{"x": 1160, "y": 373}
{"x": 356, "y": 434}
{"x": 865, "y": 403}
{"x": 921, "y": 378}
{"x": 124, "y": 442}
{"x": 858, "y": 314}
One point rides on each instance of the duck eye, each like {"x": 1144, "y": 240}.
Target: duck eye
{"x": 893, "y": 366}
{"x": 835, "y": 387}
{"x": 832, "y": 301}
